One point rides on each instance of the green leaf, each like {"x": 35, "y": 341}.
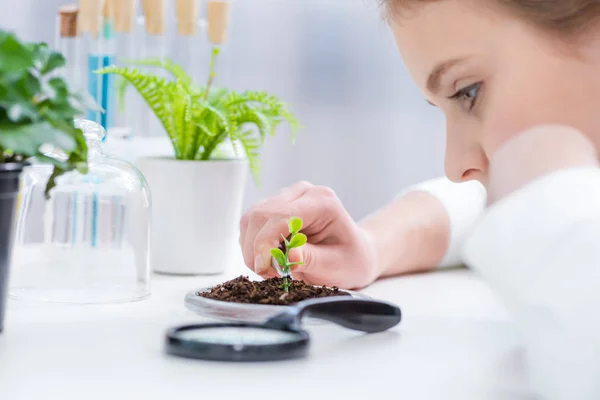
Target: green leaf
{"x": 251, "y": 146}
{"x": 296, "y": 263}
{"x": 294, "y": 225}
{"x": 42, "y": 158}
{"x": 45, "y": 59}
{"x": 217, "y": 95}
{"x": 57, "y": 90}
{"x": 121, "y": 89}
{"x": 279, "y": 256}
{"x": 157, "y": 93}
{"x": 38, "y": 108}
{"x": 20, "y": 112}
{"x": 27, "y": 139}
{"x": 83, "y": 100}
{"x": 298, "y": 240}
{"x": 287, "y": 242}
{"x": 20, "y": 86}
{"x": 175, "y": 70}
{"x": 14, "y": 56}
{"x": 54, "y": 61}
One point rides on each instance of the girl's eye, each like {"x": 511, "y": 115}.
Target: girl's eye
{"x": 468, "y": 95}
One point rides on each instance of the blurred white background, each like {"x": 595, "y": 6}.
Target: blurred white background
{"x": 368, "y": 133}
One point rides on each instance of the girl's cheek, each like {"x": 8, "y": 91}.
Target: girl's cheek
{"x": 514, "y": 108}
{"x": 504, "y": 122}
{"x": 524, "y": 98}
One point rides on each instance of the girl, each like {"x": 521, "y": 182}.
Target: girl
{"x": 518, "y": 82}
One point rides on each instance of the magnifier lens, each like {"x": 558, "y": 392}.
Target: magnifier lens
{"x": 238, "y": 335}
{"x": 236, "y": 342}
{"x": 278, "y": 338}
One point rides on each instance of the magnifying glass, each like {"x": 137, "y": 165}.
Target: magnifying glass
{"x": 280, "y": 337}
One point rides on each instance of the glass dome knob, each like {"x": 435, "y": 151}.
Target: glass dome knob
{"x": 92, "y": 131}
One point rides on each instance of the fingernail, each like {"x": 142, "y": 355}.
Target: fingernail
{"x": 259, "y": 264}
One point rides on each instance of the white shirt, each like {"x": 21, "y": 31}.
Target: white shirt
{"x": 539, "y": 249}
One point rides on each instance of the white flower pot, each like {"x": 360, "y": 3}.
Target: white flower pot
{"x": 196, "y": 207}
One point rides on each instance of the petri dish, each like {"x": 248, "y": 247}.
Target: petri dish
{"x": 241, "y": 312}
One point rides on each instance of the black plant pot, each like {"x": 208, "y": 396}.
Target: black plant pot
{"x": 9, "y": 189}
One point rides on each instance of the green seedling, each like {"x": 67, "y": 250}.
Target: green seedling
{"x": 296, "y": 239}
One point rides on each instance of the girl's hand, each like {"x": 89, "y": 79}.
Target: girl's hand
{"x": 338, "y": 252}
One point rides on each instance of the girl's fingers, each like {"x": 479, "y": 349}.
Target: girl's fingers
{"x": 253, "y": 221}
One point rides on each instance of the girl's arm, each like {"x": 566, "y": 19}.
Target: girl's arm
{"x": 463, "y": 204}
{"x": 538, "y": 246}
{"x": 424, "y": 227}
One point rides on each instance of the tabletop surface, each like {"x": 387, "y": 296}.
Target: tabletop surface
{"x": 455, "y": 341}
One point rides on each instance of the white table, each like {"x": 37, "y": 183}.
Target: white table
{"x": 455, "y": 342}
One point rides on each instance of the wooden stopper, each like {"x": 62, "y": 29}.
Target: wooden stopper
{"x": 217, "y": 14}
{"x": 90, "y": 16}
{"x": 186, "y": 12}
{"x": 68, "y": 20}
{"x": 124, "y": 14}
{"x": 154, "y": 12}
{"x": 108, "y": 9}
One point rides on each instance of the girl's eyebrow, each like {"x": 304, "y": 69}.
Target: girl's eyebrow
{"x": 433, "y": 81}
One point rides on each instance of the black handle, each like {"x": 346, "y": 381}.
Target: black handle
{"x": 361, "y": 315}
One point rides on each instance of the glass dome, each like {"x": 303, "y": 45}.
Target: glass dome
{"x": 89, "y": 242}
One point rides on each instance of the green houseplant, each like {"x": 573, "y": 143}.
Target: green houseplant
{"x": 197, "y": 193}
{"x": 37, "y": 111}
{"x": 198, "y": 118}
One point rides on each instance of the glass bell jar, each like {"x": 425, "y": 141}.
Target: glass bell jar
{"x": 89, "y": 242}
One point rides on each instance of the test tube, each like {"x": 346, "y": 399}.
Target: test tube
{"x": 218, "y": 13}
{"x": 188, "y": 42}
{"x": 126, "y": 39}
{"x": 95, "y": 23}
{"x": 68, "y": 44}
{"x": 154, "y": 46}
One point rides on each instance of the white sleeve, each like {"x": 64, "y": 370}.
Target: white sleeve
{"x": 539, "y": 249}
{"x": 464, "y": 203}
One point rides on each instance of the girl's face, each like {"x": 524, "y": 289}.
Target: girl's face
{"x": 493, "y": 76}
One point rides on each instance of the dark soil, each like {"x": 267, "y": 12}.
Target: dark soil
{"x": 243, "y": 290}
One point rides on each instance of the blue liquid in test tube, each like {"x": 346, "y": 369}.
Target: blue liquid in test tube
{"x": 101, "y": 88}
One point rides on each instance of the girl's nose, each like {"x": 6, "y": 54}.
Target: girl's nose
{"x": 466, "y": 163}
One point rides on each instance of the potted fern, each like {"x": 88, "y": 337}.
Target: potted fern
{"x": 37, "y": 111}
{"x": 197, "y": 193}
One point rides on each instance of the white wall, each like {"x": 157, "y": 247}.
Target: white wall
{"x": 367, "y": 130}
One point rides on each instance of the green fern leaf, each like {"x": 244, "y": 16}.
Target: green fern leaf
{"x": 251, "y": 145}
{"x": 260, "y": 97}
{"x": 215, "y": 96}
{"x": 283, "y": 115}
{"x": 184, "y": 129}
{"x": 235, "y": 144}
{"x": 247, "y": 115}
{"x": 269, "y": 106}
{"x": 152, "y": 89}
{"x": 121, "y": 89}
{"x": 211, "y": 144}
{"x": 233, "y": 133}
{"x": 198, "y": 119}
{"x": 218, "y": 112}
{"x": 176, "y": 71}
